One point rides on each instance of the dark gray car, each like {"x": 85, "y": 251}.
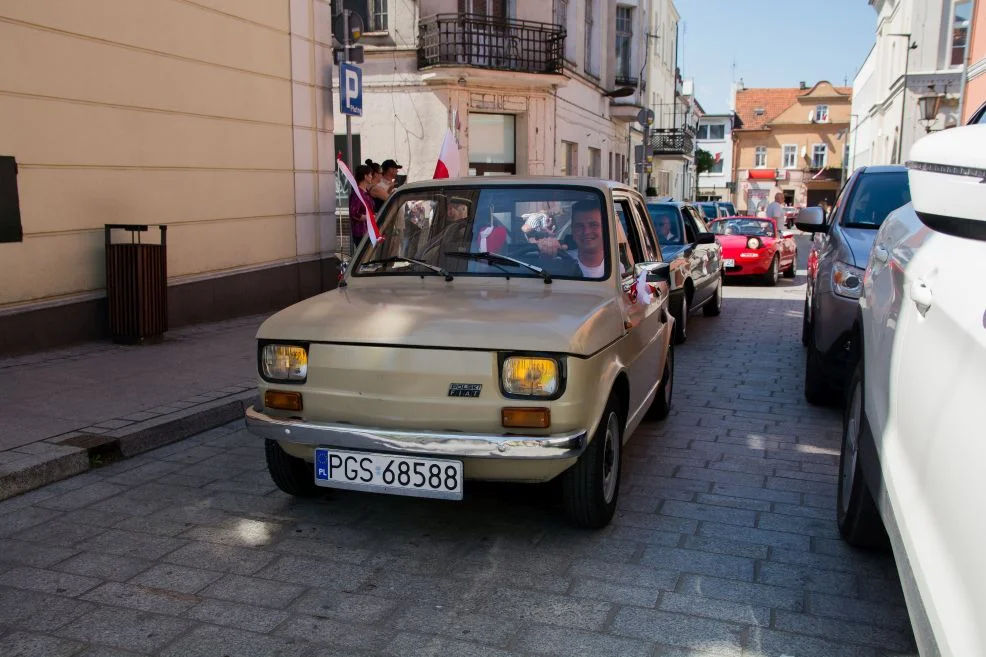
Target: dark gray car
{"x": 840, "y": 249}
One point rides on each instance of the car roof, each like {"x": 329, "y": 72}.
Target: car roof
{"x": 884, "y": 168}
{"x": 513, "y": 181}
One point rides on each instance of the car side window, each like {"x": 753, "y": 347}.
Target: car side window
{"x": 623, "y": 210}
{"x": 690, "y": 236}
{"x": 648, "y": 238}
{"x": 624, "y": 250}
{"x": 700, "y": 224}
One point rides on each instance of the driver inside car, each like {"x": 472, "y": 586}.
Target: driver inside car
{"x": 589, "y": 256}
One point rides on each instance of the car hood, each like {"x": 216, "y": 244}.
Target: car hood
{"x": 515, "y": 315}
{"x": 857, "y": 243}
{"x": 733, "y": 242}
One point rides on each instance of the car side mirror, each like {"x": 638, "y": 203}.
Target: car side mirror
{"x": 657, "y": 272}
{"x": 705, "y": 238}
{"x": 811, "y": 220}
{"x": 946, "y": 177}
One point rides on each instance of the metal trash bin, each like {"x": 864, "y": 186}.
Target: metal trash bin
{"x": 136, "y": 285}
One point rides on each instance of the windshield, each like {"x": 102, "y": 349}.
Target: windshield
{"x": 730, "y": 210}
{"x": 561, "y": 230}
{"x": 744, "y": 227}
{"x": 876, "y": 195}
{"x": 710, "y": 210}
{"x": 667, "y": 223}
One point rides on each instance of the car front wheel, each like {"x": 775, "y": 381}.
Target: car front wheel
{"x": 681, "y": 320}
{"x": 773, "y": 274}
{"x": 591, "y": 486}
{"x": 857, "y": 514}
{"x": 792, "y": 271}
{"x": 292, "y": 475}
{"x": 661, "y": 406}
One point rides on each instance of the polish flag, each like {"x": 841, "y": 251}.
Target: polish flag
{"x": 448, "y": 158}
{"x": 718, "y": 157}
{"x": 371, "y": 221}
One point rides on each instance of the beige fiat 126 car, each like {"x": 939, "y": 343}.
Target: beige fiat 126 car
{"x": 509, "y": 329}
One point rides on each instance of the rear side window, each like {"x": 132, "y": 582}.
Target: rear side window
{"x": 874, "y": 197}
{"x": 666, "y": 223}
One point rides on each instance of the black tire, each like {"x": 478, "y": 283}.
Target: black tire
{"x": 791, "y": 271}
{"x": 818, "y": 392}
{"x": 292, "y": 475}
{"x": 805, "y": 326}
{"x": 713, "y": 306}
{"x": 681, "y": 320}
{"x": 773, "y": 274}
{"x": 591, "y": 487}
{"x": 856, "y": 512}
{"x": 661, "y": 406}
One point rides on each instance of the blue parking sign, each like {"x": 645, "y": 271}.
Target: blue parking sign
{"x": 351, "y": 89}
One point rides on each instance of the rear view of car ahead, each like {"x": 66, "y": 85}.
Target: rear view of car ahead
{"x": 839, "y": 250}
{"x": 914, "y": 431}
{"x": 756, "y": 246}
{"x": 502, "y": 330}
{"x": 695, "y": 258}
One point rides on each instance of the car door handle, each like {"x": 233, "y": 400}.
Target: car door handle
{"x": 881, "y": 253}
{"x": 921, "y": 296}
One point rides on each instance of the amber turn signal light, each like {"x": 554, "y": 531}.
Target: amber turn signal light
{"x": 526, "y": 418}
{"x": 284, "y": 401}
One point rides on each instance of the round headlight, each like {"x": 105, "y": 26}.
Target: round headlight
{"x": 753, "y": 243}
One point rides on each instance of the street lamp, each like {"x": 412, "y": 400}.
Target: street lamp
{"x": 929, "y": 106}
{"x": 903, "y": 90}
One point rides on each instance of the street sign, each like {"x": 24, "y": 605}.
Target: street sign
{"x": 645, "y": 117}
{"x": 351, "y": 89}
{"x": 355, "y": 55}
{"x": 359, "y": 17}
{"x": 642, "y": 153}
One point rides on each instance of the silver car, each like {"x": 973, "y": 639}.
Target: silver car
{"x": 840, "y": 249}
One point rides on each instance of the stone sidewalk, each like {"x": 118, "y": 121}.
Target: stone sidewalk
{"x": 62, "y": 410}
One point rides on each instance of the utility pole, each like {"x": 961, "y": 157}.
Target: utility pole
{"x": 344, "y": 58}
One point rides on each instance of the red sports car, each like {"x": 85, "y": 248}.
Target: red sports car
{"x": 756, "y": 246}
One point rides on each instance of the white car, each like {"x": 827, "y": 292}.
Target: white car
{"x": 913, "y": 466}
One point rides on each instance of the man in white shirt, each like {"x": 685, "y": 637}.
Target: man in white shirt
{"x": 776, "y": 209}
{"x": 587, "y": 231}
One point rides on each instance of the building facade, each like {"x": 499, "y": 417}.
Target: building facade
{"x": 790, "y": 140}
{"x": 531, "y": 85}
{"x": 208, "y": 117}
{"x": 715, "y": 136}
{"x": 919, "y": 50}
{"x": 974, "y": 93}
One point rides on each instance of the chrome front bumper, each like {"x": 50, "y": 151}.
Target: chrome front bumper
{"x": 463, "y": 445}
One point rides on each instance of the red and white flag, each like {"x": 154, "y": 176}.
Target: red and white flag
{"x": 448, "y": 158}
{"x": 718, "y": 157}
{"x": 371, "y": 221}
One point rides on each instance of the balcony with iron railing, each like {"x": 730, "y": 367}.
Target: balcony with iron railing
{"x": 673, "y": 141}
{"x": 484, "y": 42}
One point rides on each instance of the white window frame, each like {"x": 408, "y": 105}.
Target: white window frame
{"x": 628, "y": 37}
{"x": 792, "y": 150}
{"x": 378, "y": 10}
{"x": 716, "y": 169}
{"x": 716, "y": 125}
{"x": 821, "y": 113}
{"x": 698, "y": 134}
{"x": 814, "y": 156}
{"x": 760, "y": 157}
{"x": 590, "y": 23}
{"x": 951, "y": 34}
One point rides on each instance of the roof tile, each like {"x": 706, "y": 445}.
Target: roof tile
{"x": 773, "y": 102}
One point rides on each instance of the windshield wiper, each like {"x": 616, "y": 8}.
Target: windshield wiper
{"x": 391, "y": 259}
{"x": 497, "y": 259}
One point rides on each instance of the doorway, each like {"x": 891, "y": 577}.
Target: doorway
{"x": 492, "y": 144}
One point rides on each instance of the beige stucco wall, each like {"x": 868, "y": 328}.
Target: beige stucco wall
{"x": 200, "y": 114}
{"x": 774, "y": 140}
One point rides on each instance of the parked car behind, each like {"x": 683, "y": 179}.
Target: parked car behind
{"x": 913, "y": 448}
{"x": 839, "y": 251}
{"x": 459, "y": 348}
{"x": 756, "y": 246}
{"x": 695, "y": 259}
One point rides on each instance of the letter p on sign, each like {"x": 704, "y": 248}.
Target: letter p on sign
{"x": 351, "y": 89}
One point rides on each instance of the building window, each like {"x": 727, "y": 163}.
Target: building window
{"x": 624, "y": 41}
{"x": 716, "y": 169}
{"x": 378, "y": 15}
{"x": 821, "y": 113}
{"x": 760, "y": 159}
{"x": 590, "y": 60}
{"x": 960, "y": 31}
{"x": 571, "y": 162}
{"x": 563, "y": 17}
{"x": 595, "y": 163}
{"x": 712, "y": 132}
{"x": 819, "y": 156}
{"x": 790, "y": 156}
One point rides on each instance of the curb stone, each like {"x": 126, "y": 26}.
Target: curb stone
{"x": 67, "y": 455}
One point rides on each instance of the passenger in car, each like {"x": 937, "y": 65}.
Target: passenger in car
{"x": 589, "y": 257}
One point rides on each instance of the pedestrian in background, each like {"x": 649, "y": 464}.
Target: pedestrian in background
{"x": 377, "y": 190}
{"x": 357, "y": 213}
{"x": 775, "y": 210}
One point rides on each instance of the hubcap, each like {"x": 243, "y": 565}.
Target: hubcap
{"x": 611, "y": 457}
{"x": 850, "y": 445}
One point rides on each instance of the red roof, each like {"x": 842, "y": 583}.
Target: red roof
{"x": 773, "y": 102}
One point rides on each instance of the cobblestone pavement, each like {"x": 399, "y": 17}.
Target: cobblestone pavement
{"x": 724, "y": 544}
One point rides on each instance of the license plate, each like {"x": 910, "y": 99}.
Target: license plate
{"x": 389, "y": 473}
{"x": 728, "y": 263}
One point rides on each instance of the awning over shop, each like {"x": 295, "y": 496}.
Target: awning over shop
{"x": 762, "y": 174}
